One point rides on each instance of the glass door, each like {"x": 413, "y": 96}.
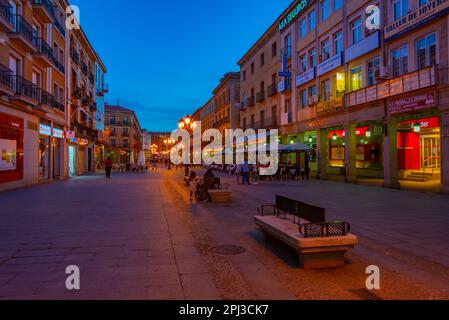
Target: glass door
{"x": 431, "y": 154}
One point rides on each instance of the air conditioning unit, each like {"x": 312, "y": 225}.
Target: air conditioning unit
{"x": 384, "y": 73}
{"x": 313, "y": 100}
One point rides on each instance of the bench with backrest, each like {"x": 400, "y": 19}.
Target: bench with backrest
{"x": 303, "y": 226}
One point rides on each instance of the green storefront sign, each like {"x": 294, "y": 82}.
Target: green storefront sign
{"x": 293, "y": 14}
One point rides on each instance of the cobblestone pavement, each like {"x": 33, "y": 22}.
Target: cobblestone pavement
{"x": 138, "y": 237}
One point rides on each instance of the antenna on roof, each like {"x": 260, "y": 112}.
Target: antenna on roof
{"x": 118, "y": 102}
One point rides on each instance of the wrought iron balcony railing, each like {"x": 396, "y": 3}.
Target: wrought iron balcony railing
{"x": 23, "y": 28}
{"x": 23, "y": 87}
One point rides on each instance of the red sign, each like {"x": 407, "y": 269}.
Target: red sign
{"x": 415, "y": 103}
{"x": 427, "y": 123}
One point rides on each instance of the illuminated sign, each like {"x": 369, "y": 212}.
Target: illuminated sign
{"x": 334, "y": 105}
{"x": 70, "y": 135}
{"x": 44, "y": 130}
{"x": 293, "y": 14}
{"x": 341, "y": 82}
{"x": 58, "y": 133}
{"x": 412, "y": 104}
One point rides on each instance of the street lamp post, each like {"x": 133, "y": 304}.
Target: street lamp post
{"x": 187, "y": 123}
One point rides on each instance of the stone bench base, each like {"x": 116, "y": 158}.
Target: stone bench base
{"x": 220, "y": 196}
{"x": 315, "y": 253}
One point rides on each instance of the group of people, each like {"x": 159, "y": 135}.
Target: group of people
{"x": 199, "y": 188}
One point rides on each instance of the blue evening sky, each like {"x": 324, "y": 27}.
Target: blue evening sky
{"x": 164, "y": 58}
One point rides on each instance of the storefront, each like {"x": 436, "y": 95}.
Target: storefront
{"x": 336, "y": 148}
{"x": 44, "y": 151}
{"x": 419, "y": 149}
{"x": 11, "y": 148}
{"x": 57, "y": 142}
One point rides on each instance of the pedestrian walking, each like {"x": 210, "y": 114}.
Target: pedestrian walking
{"x": 193, "y": 185}
{"x": 108, "y": 167}
{"x": 238, "y": 172}
{"x": 246, "y": 172}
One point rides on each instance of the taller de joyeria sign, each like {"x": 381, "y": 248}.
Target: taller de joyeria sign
{"x": 416, "y": 18}
{"x": 293, "y": 14}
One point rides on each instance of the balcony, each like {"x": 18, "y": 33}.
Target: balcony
{"x": 269, "y": 123}
{"x": 25, "y": 92}
{"x": 272, "y": 90}
{"x": 59, "y": 27}
{"x": 251, "y": 101}
{"x": 85, "y": 101}
{"x": 82, "y": 131}
{"x": 6, "y": 23}
{"x": 6, "y": 81}
{"x": 76, "y": 92}
{"x": 45, "y": 55}
{"x": 260, "y": 96}
{"x": 84, "y": 69}
{"x": 91, "y": 77}
{"x": 44, "y": 10}
{"x": 410, "y": 82}
{"x": 23, "y": 34}
{"x": 75, "y": 56}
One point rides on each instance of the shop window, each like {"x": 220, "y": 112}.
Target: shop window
{"x": 337, "y": 148}
{"x": 11, "y": 148}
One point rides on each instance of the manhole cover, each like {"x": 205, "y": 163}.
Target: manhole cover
{"x": 229, "y": 250}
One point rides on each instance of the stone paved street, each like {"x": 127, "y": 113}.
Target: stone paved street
{"x": 138, "y": 237}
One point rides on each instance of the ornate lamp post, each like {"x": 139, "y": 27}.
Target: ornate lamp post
{"x": 187, "y": 123}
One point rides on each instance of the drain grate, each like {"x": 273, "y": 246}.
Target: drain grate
{"x": 229, "y": 250}
{"x": 366, "y": 294}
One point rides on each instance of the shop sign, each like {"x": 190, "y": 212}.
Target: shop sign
{"x": 305, "y": 77}
{"x": 426, "y": 123}
{"x": 330, "y": 64}
{"x": 58, "y": 133}
{"x": 290, "y": 17}
{"x": 339, "y": 133}
{"x": 281, "y": 86}
{"x": 368, "y": 44}
{"x": 333, "y": 105}
{"x": 70, "y": 135}
{"x": 411, "y": 104}
{"x": 44, "y": 130}
{"x": 83, "y": 142}
{"x": 416, "y": 18}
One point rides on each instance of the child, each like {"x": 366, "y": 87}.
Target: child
{"x": 192, "y": 184}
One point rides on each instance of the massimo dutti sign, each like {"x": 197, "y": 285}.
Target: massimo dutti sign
{"x": 416, "y": 18}
{"x": 293, "y": 14}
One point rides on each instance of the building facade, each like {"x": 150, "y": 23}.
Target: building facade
{"x": 259, "y": 69}
{"x": 123, "y": 135}
{"x": 364, "y": 83}
{"x": 35, "y": 110}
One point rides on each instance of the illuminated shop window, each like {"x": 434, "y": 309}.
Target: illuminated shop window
{"x": 356, "y": 78}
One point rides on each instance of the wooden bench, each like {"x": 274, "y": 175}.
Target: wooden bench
{"x": 222, "y": 193}
{"x": 320, "y": 245}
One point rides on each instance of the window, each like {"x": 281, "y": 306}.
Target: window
{"x": 244, "y": 75}
{"x": 125, "y": 132}
{"x": 326, "y": 90}
{"x": 400, "y": 61}
{"x": 303, "y": 63}
{"x": 338, "y": 42}
{"x": 373, "y": 71}
{"x": 400, "y": 9}
{"x": 252, "y": 68}
{"x": 112, "y": 131}
{"x": 312, "y": 58}
{"x": 325, "y": 9}
{"x": 326, "y": 49}
{"x": 338, "y": 4}
{"x": 262, "y": 60}
{"x": 312, "y": 93}
{"x": 426, "y": 51}
{"x": 303, "y": 28}
{"x": 356, "y": 27}
{"x": 274, "y": 49}
{"x": 125, "y": 143}
{"x": 303, "y": 99}
{"x": 125, "y": 120}
{"x": 312, "y": 20}
{"x": 112, "y": 121}
{"x": 356, "y": 78}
